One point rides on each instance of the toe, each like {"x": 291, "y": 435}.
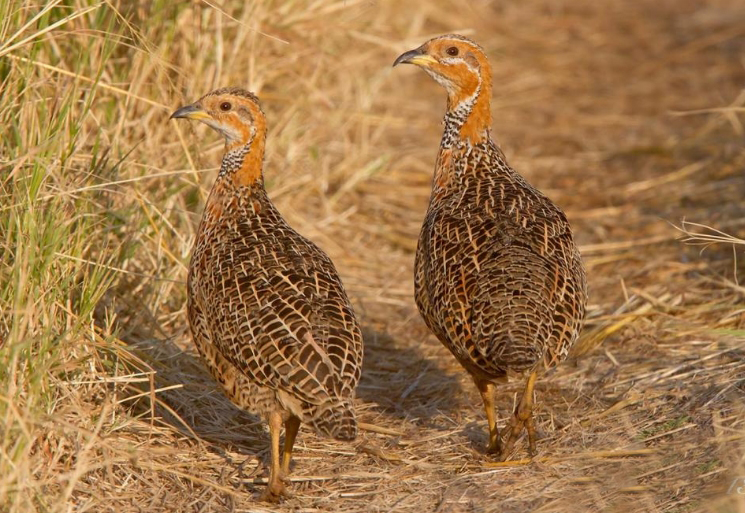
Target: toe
{"x": 269, "y": 496}
{"x": 274, "y": 492}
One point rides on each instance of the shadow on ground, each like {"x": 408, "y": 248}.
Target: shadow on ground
{"x": 403, "y": 382}
{"x": 399, "y": 383}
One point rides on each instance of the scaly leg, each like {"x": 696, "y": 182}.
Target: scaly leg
{"x": 276, "y": 487}
{"x": 291, "y": 427}
{"x": 486, "y": 390}
{"x": 523, "y": 417}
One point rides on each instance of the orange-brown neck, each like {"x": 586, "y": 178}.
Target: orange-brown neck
{"x": 467, "y": 124}
{"x": 251, "y": 169}
{"x": 243, "y": 161}
{"x": 477, "y": 126}
{"x": 470, "y": 110}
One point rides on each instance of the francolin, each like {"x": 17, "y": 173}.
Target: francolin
{"x": 267, "y": 310}
{"x": 498, "y": 276}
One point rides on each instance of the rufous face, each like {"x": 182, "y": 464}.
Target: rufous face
{"x": 233, "y": 112}
{"x": 455, "y": 62}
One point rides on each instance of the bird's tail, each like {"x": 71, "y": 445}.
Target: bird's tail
{"x": 336, "y": 420}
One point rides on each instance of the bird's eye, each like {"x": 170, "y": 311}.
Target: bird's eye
{"x": 225, "y": 106}
{"x": 452, "y": 51}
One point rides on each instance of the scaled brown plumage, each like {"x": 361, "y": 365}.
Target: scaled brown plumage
{"x": 498, "y": 276}
{"x": 267, "y": 309}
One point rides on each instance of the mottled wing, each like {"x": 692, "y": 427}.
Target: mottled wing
{"x": 498, "y": 277}
{"x": 240, "y": 389}
{"x": 529, "y": 293}
{"x": 284, "y": 319}
{"x": 423, "y": 278}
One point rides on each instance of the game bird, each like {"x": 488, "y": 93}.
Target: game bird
{"x": 267, "y": 310}
{"x": 498, "y": 276}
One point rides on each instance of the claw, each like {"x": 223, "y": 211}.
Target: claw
{"x": 274, "y": 493}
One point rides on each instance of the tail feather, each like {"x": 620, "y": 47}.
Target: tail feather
{"x": 337, "y": 420}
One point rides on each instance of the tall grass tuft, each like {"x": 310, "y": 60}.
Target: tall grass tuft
{"x": 59, "y": 248}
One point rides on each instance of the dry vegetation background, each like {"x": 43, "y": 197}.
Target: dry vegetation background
{"x": 628, "y": 114}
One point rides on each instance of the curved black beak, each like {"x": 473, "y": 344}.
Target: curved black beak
{"x": 192, "y": 111}
{"x": 417, "y": 56}
{"x": 407, "y": 57}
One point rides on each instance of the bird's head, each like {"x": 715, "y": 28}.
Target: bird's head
{"x": 232, "y": 111}
{"x": 455, "y": 62}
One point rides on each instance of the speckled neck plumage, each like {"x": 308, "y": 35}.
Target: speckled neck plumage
{"x": 468, "y": 117}
{"x": 467, "y": 134}
{"x": 455, "y": 119}
{"x": 243, "y": 163}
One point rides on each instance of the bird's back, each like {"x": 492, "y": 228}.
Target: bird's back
{"x": 499, "y": 278}
{"x": 268, "y": 305}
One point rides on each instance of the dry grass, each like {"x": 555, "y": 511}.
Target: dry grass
{"x": 629, "y": 116}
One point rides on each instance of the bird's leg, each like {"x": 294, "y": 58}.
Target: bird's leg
{"x": 486, "y": 390}
{"x": 291, "y": 427}
{"x": 523, "y": 417}
{"x": 276, "y": 487}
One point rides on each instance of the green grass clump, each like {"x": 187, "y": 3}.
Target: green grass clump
{"x": 58, "y": 249}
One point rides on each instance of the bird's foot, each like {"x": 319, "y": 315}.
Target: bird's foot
{"x": 523, "y": 419}
{"x": 275, "y": 491}
{"x": 276, "y": 488}
{"x": 519, "y": 421}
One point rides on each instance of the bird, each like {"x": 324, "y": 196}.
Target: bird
{"x": 267, "y": 310}
{"x": 498, "y": 276}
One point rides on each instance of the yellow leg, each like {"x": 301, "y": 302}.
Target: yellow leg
{"x": 291, "y": 427}
{"x": 523, "y": 418}
{"x": 276, "y": 487}
{"x": 487, "y": 396}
